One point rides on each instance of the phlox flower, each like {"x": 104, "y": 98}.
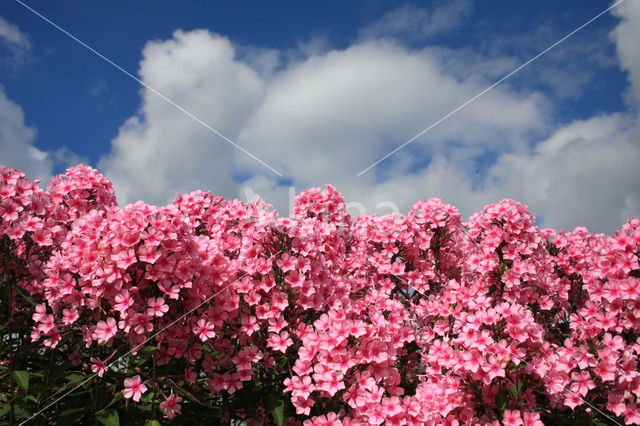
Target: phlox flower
{"x": 303, "y": 405}
{"x": 105, "y": 330}
{"x": 157, "y": 307}
{"x": 606, "y": 371}
{"x": 332, "y": 384}
{"x": 295, "y": 279}
{"x": 531, "y": 418}
{"x": 286, "y": 262}
{"x": 134, "y": 388}
{"x": 46, "y": 323}
{"x": 76, "y": 358}
{"x": 279, "y": 342}
{"x": 123, "y": 301}
{"x": 573, "y": 400}
{"x": 171, "y": 406}
{"x": 583, "y": 382}
{"x": 632, "y": 414}
{"x": 331, "y": 419}
{"x": 148, "y": 253}
{"x": 494, "y": 368}
{"x": 512, "y": 418}
{"x": 142, "y": 323}
{"x": 392, "y": 405}
{"x": 376, "y": 414}
{"x": 69, "y": 316}
{"x": 98, "y": 366}
{"x": 124, "y": 259}
{"x": 41, "y": 311}
{"x": 472, "y": 360}
{"x": 204, "y": 330}
{"x": 53, "y": 338}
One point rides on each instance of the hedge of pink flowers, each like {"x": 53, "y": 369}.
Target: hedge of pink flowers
{"x": 320, "y": 318}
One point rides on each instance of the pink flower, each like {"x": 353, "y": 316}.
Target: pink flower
{"x": 280, "y": 342}
{"x": 583, "y": 383}
{"x": 632, "y": 415}
{"x": 69, "y": 316}
{"x": 512, "y": 418}
{"x": 142, "y": 323}
{"x": 134, "y": 388}
{"x": 157, "y": 307}
{"x": 204, "y": 330}
{"x": 171, "y": 406}
{"x": 98, "y": 366}
{"x": 76, "y": 358}
{"x": 286, "y": 262}
{"x": 494, "y": 368}
{"x": 105, "y": 330}
{"x": 573, "y": 400}
{"x": 46, "y": 323}
{"x": 532, "y": 419}
{"x": 123, "y": 301}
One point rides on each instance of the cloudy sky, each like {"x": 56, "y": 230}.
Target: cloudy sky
{"x": 246, "y": 98}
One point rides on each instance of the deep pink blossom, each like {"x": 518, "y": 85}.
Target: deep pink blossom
{"x": 134, "y": 388}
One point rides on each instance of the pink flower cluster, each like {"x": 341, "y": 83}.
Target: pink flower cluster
{"x": 416, "y": 319}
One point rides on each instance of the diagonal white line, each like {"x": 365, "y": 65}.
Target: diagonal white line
{"x": 431, "y": 126}
{"x": 150, "y": 88}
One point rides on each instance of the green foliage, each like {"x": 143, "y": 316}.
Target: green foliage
{"x": 108, "y": 417}
{"x": 275, "y": 405}
{"x": 21, "y": 377}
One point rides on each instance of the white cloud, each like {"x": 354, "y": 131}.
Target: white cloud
{"x": 17, "y": 149}
{"x": 11, "y": 35}
{"x": 324, "y": 116}
{"x": 625, "y": 35}
{"x": 160, "y": 151}
{"x": 585, "y": 174}
{"x": 16, "y": 142}
{"x": 332, "y": 115}
{"x": 15, "y": 46}
{"x": 414, "y": 23}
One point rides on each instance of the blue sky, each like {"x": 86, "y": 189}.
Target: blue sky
{"x": 320, "y": 91}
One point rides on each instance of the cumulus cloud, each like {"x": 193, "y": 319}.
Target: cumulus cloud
{"x": 625, "y": 35}
{"x": 160, "y": 151}
{"x": 326, "y": 115}
{"x": 586, "y": 172}
{"x": 17, "y": 148}
{"x": 16, "y": 142}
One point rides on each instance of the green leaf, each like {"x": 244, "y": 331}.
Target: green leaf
{"x": 21, "y": 413}
{"x": 71, "y": 411}
{"x": 115, "y": 399}
{"x": 148, "y": 349}
{"x": 516, "y": 390}
{"x": 26, "y": 296}
{"x": 4, "y": 409}
{"x": 22, "y": 379}
{"x": 501, "y": 401}
{"x": 108, "y": 417}
{"x": 153, "y": 423}
{"x": 74, "y": 378}
{"x": 275, "y": 406}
